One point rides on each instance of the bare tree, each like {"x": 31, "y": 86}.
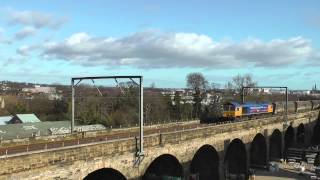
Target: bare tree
{"x": 153, "y": 85}
{"x": 215, "y": 86}
{"x": 196, "y": 81}
{"x": 240, "y": 81}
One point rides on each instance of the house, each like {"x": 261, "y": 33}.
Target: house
{"x": 27, "y": 130}
{"x": 301, "y": 92}
{"x": 5, "y": 119}
{"x": 50, "y": 92}
{"x": 24, "y": 118}
{"x": 40, "y": 89}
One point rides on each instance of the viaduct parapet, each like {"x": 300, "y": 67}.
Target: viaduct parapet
{"x": 180, "y": 153}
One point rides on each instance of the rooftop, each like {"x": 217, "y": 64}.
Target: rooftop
{"x": 28, "y": 118}
{"x": 12, "y": 131}
{"x": 4, "y": 119}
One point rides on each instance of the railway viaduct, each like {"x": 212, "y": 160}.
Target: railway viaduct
{"x": 210, "y": 151}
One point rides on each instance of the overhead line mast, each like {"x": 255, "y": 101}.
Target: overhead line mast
{"x": 140, "y": 152}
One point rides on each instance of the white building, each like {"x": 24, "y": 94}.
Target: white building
{"x": 39, "y": 89}
{"x": 49, "y": 91}
{"x": 277, "y": 91}
{"x": 301, "y": 92}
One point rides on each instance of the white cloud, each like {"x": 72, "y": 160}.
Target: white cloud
{"x": 25, "y": 32}
{"x": 3, "y": 39}
{"x": 154, "y": 49}
{"x": 1, "y": 34}
{"x": 23, "y": 50}
{"x": 315, "y": 59}
{"x": 34, "y": 18}
{"x": 77, "y": 38}
{"x": 14, "y": 60}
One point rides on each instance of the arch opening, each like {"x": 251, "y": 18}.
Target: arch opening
{"x": 275, "y": 148}
{"x": 105, "y": 173}
{"x": 236, "y": 160}
{"x": 164, "y": 166}
{"x": 288, "y": 139}
{"x": 315, "y": 140}
{"x": 301, "y": 135}
{"x": 317, "y": 160}
{"x": 258, "y": 152}
{"x": 205, "y": 163}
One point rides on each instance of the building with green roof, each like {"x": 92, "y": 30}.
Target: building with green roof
{"x": 26, "y": 130}
{"x": 24, "y": 118}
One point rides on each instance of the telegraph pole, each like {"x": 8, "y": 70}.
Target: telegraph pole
{"x": 72, "y": 106}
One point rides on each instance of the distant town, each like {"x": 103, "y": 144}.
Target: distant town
{"x": 58, "y": 92}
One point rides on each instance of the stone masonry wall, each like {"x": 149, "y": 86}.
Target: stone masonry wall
{"x": 78, "y": 161}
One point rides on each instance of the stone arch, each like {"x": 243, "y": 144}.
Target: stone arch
{"x": 235, "y": 160}
{"x": 288, "y": 139}
{"x": 258, "y": 151}
{"x": 105, "y": 173}
{"x": 301, "y": 135}
{"x": 275, "y": 145}
{"x": 205, "y": 163}
{"x": 164, "y": 165}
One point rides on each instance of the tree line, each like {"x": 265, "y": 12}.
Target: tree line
{"x": 46, "y": 110}
{"x": 120, "y": 106}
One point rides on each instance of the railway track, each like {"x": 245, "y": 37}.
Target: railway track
{"x": 4, "y": 151}
{"x": 118, "y": 135}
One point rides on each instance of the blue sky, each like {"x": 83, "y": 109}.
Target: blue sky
{"x": 277, "y": 42}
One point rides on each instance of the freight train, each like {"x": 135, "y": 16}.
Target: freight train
{"x": 237, "y": 111}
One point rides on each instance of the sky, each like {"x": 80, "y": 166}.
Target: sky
{"x": 277, "y": 42}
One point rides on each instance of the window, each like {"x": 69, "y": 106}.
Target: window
{"x": 228, "y": 107}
